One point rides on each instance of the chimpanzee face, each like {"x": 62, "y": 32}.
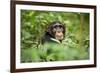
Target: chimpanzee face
{"x": 56, "y": 30}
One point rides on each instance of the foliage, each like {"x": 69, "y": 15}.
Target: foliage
{"x": 75, "y": 46}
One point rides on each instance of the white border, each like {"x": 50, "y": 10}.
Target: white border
{"x": 60, "y": 63}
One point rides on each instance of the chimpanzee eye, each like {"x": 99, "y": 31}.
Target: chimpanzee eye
{"x": 56, "y": 26}
{"x": 60, "y": 26}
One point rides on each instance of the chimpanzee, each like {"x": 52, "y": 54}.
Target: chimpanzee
{"x": 55, "y": 32}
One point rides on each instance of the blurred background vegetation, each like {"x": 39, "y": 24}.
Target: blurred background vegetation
{"x": 76, "y": 42}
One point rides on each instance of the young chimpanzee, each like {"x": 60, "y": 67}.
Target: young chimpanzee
{"x": 52, "y": 39}
{"x": 54, "y": 33}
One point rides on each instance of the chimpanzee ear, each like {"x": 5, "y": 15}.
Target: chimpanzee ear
{"x": 49, "y": 30}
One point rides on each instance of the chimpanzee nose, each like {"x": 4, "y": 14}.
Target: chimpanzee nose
{"x": 60, "y": 34}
